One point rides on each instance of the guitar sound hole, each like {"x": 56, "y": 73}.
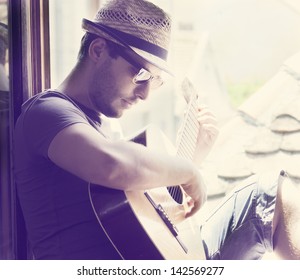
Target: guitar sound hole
{"x": 176, "y": 193}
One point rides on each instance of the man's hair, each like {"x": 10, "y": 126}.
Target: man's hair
{"x": 88, "y": 38}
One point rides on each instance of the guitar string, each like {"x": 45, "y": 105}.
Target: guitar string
{"x": 189, "y": 119}
{"x": 186, "y": 125}
{"x": 188, "y": 134}
{"x": 187, "y": 142}
{"x": 184, "y": 151}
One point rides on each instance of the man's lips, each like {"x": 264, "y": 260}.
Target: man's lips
{"x": 128, "y": 103}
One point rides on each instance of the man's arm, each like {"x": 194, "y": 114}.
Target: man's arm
{"x": 81, "y": 150}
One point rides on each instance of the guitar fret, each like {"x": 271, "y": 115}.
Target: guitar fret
{"x": 184, "y": 155}
{"x": 188, "y": 137}
{"x": 189, "y": 148}
{"x": 191, "y": 124}
{"x": 193, "y": 119}
{"x": 184, "y": 151}
{"x": 192, "y": 129}
{"x": 185, "y": 139}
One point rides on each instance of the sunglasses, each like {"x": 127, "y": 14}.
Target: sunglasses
{"x": 143, "y": 76}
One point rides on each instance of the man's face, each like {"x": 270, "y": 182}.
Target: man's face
{"x": 113, "y": 90}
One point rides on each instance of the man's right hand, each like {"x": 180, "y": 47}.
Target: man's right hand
{"x": 196, "y": 190}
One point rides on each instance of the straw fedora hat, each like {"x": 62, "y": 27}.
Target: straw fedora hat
{"x": 137, "y": 25}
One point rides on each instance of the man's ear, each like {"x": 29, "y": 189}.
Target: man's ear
{"x": 97, "y": 48}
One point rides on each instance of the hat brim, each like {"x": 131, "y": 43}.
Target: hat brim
{"x": 101, "y": 31}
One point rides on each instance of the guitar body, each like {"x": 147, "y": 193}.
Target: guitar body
{"x": 133, "y": 225}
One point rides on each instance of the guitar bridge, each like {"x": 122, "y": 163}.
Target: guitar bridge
{"x": 164, "y": 216}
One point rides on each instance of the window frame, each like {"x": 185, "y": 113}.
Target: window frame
{"x": 29, "y": 72}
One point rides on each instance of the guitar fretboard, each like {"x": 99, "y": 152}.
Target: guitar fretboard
{"x": 188, "y": 133}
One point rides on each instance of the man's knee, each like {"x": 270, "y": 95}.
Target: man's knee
{"x": 286, "y": 237}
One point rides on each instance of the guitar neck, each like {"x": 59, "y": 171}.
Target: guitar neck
{"x": 188, "y": 134}
{"x": 187, "y": 138}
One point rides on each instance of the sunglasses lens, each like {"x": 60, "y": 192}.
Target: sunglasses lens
{"x": 156, "y": 82}
{"x": 142, "y": 76}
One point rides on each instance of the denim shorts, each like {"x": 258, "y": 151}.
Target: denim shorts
{"x": 241, "y": 227}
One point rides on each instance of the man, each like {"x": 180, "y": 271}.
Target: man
{"x": 61, "y": 146}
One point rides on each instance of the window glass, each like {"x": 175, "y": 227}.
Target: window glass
{"x": 228, "y": 49}
{"x": 233, "y": 52}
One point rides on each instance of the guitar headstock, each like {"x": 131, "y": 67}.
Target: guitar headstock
{"x": 188, "y": 91}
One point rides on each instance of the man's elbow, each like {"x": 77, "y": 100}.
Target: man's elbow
{"x": 114, "y": 174}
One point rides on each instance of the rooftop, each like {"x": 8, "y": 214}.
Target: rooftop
{"x": 263, "y": 136}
